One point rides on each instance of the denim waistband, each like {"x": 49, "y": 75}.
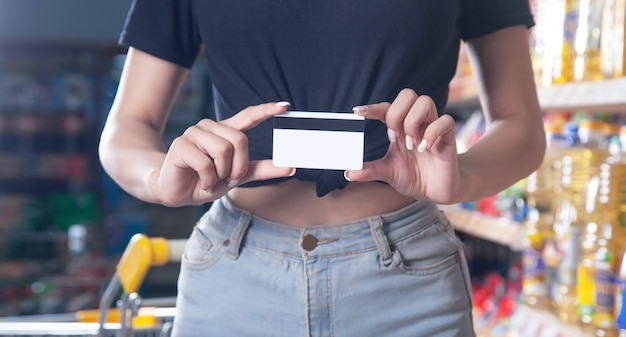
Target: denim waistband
{"x": 366, "y": 234}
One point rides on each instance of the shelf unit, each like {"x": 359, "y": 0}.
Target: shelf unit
{"x": 538, "y": 322}
{"x": 607, "y": 96}
{"x": 601, "y": 96}
{"x": 496, "y": 229}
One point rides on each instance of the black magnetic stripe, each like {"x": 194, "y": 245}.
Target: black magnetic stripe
{"x": 320, "y": 124}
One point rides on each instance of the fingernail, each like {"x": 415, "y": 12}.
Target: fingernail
{"x": 359, "y": 110}
{"x": 409, "y": 143}
{"x": 283, "y": 103}
{"x": 422, "y": 146}
{"x": 233, "y": 183}
{"x": 392, "y": 135}
{"x": 292, "y": 173}
{"x": 345, "y": 175}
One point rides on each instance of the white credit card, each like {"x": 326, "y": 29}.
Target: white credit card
{"x": 318, "y": 140}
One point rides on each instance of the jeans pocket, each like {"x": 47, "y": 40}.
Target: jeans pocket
{"x": 427, "y": 252}
{"x": 202, "y": 249}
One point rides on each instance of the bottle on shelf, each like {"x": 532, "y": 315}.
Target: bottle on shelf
{"x": 595, "y": 209}
{"x": 611, "y": 242}
{"x": 537, "y": 231}
{"x": 611, "y": 239}
{"x": 620, "y": 297}
{"x": 539, "y": 48}
{"x": 587, "y": 41}
{"x": 579, "y": 163}
{"x": 585, "y": 287}
{"x": 563, "y": 67}
{"x": 612, "y": 46}
{"x": 538, "y": 227}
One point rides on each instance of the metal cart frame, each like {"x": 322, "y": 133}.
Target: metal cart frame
{"x": 133, "y": 316}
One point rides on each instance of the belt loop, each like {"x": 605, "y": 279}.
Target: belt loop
{"x": 376, "y": 226}
{"x": 238, "y": 233}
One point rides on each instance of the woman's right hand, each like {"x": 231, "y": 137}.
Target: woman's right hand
{"x": 210, "y": 158}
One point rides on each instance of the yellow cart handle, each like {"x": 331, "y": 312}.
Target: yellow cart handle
{"x": 141, "y": 254}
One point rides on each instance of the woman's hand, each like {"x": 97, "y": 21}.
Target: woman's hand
{"x": 422, "y": 158}
{"x": 210, "y": 158}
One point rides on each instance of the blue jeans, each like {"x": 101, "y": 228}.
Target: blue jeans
{"x": 398, "y": 274}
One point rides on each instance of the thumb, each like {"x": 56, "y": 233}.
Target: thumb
{"x": 265, "y": 169}
{"x": 372, "y": 171}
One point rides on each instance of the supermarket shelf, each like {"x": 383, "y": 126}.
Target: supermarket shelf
{"x": 599, "y": 96}
{"x": 496, "y": 229}
{"x": 530, "y": 322}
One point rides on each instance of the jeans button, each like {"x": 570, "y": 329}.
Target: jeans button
{"x": 308, "y": 242}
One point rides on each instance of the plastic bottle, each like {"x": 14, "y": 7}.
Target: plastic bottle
{"x": 612, "y": 44}
{"x": 588, "y": 66}
{"x": 563, "y": 69}
{"x": 538, "y": 230}
{"x": 585, "y": 288}
{"x": 578, "y": 165}
{"x": 567, "y": 230}
{"x": 620, "y": 297}
{"x": 595, "y": 208}
{"x": 555, "y": 150}
{"x": 539, "y": 36}
{"x": 620, "y": 286}
{"x": 619, "y": 33}
{"x": 611, "y": 242}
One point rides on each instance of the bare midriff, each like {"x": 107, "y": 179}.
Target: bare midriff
{"x": 295, "y": 202}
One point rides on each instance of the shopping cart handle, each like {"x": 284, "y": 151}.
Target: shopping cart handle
{"x": 141, "y": 254}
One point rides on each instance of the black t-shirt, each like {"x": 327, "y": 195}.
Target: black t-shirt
{"x": 320, "y": 55}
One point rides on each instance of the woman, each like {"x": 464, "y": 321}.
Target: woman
{"x": 300, "y": 252}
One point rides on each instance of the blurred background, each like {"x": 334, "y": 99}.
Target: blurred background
{"x": 547, "y": 256}
{"x": 63, "y": 222}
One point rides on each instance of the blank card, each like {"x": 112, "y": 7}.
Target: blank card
{"x": 318, "y": 140}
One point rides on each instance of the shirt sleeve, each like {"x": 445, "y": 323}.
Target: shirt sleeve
{"x": 164, "y": 28}
{"x": 481, "y": 17}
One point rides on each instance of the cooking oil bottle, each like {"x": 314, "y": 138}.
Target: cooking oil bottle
{"x": 563, "y": 69}
{"x": 556, "y": 146}
{"x": 620, "y": 297}
{"x": 585, "y": 287}
{"x": 567, "y": 228}
{"x": 612, "y": 46}
{"x": 595, "y": 208}
{"x": 579, "y": 163}
{"x": 588, "y": 66}
{"x": 610, "y": 244}
{"x": 538, "y": 230}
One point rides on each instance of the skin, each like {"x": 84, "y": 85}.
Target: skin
{"x": 210, "y": 158}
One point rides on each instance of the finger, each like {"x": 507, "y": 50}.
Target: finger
{"x": 398, "y": 110}
{"x": 265, "y": 169}
{"x": 253, "y": 115}
{"x": 187, "y": 154}
{"x": 376, "y": 170}
{"x": 376, "y": 111}
{"x": 239, "y": 143}
{"x": 391, "y": 114}
{"x": 422, "y": 113}
{"x": 217, "y": 149}
{"x": 441, "y": 131}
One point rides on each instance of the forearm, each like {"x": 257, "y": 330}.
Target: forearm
{"x": 509, "y": 151}
{"x": 513, "y": 144}
{"x": 130, "y": 154}
{"x": 131, "y": 146}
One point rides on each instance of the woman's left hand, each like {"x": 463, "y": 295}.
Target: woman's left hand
{"x": 421, "y": 161}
